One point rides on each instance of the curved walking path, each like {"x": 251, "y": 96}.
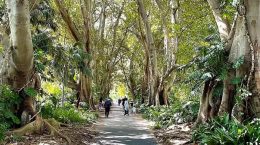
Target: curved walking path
{"x": 118, "y": 129}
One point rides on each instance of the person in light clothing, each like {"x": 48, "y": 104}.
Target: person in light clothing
{"x": 134, "y": 109}
{"x": 126, "y": 107}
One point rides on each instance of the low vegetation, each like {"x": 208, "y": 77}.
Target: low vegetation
{"x": 164, "y": 116}
{"x": 222, "y": 130}
{"x": 68, "y": 114}
{"x": 8, "y": 101}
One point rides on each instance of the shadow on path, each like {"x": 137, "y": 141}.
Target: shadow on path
{"x": 118, "y": 129}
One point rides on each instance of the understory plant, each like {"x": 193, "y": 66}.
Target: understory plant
{"x": 222, "y": 130}
{"x": 68, "y": 114}
{"x": 8, "y": 100}
{"x": 164, "y": 116}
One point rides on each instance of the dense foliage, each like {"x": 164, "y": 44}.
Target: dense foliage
{"x": 222, "y": 130}
{"x": 68, "y": 114}
{"x": 164, "y": 116}
{"x": 8, "y": 102}
{"x": 159, "y": 52}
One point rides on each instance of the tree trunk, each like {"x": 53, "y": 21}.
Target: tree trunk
{"x": 67, "y": 19}
{"x": 85, "y": 90}
{"x": 86, "y": 13}
{"x": 253, "y": 22}
{"x": 102, "y": 20}
{"x": 142, "y": 39}
{"x": 21, "y": 40}
{"x": 152, "y": 67}
{"x": 20, "y": 71}
{"x": 223, "y": 26}
{"x": 246, "y": 45}
{"x": 228, "y": 95}
{"x": 224, "y": 31}
{"x": 170, "y": 49}
{"x": 209, "y": 104}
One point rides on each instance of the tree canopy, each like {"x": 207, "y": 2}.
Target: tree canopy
{"x": 156, "y": 52}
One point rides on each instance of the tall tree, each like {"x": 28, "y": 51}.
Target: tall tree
{"x": 170, "y": 45}
{"x": 85, "y": 82}
{"x": 152, "y": 54}
{"x": 86, "y": 13}
{"x": 20, "y": 73}
{"x": 241, "y": 42}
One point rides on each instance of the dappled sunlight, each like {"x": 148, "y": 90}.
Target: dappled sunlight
{"x": 178, "y": 142}
{"x": 124, "y": 130}
{"x": 171, "y": 71}
{"x": 131, "y": 136}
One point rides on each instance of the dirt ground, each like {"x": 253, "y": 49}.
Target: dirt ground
{"x": 82, "y": 134}
{"x": 178, "y": 134}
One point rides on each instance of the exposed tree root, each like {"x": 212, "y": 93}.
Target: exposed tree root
{"x": 39, "y": 126}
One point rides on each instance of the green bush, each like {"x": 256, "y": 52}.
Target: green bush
{"x": 3, "y": 129}
{"x": 164, "y": 116}
{"x": 227, "y": 132}
{"x": 8, "y": 100}
{"x": 68, "y": 114}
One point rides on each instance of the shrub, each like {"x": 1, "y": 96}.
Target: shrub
{"x": 164, "y": 116}
{"x": 224, "y": 131}
{"x": 8, "y": 100}
{"x": 68, "y": 114}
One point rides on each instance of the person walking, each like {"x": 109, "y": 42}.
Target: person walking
{"x": 123, "y": 104}
{"x": 119, "y": 101}
{"x": 107, "y": 106}
{"x": 126, "y": 107}
{"x": 100, "y": 104}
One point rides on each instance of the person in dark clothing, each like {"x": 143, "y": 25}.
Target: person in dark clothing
{"x": 123, "y": 102}
{"x": 131, "y": 104}
{"x": 119, "y": 101}
{"x": 100, "y": 99}
{"x": 107, "y": 106}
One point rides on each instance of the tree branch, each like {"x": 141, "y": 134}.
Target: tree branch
{"x": 67, "y": 19}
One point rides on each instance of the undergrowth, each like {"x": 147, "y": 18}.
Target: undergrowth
{"x": 8, "y": 100}
{"x": 223, "y": 131}
{"x": 68, "y": 114}
{"x": 164, "y": 116}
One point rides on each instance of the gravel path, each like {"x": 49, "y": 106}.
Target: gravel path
{"x": 118, "y": 129}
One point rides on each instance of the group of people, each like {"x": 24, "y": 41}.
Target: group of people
{"x": 125, "y": 104}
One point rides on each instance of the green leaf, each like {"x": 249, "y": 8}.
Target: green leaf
{"x": 86, "y": 71}
{"x": 238, "y": 62}
{"x": 236, "y": 80}
{"x": 30, "y": 92}
{"x": 15, "y": 119}
{"x": 223, "y": 74}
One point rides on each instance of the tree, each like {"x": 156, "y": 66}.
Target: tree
{"x": 20, "y": 74}
{"x": 240, "y": 41}
{"x": 85, "y": 80}
{"x": 109, "y": 44}
{"x": 152, "y": 55}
